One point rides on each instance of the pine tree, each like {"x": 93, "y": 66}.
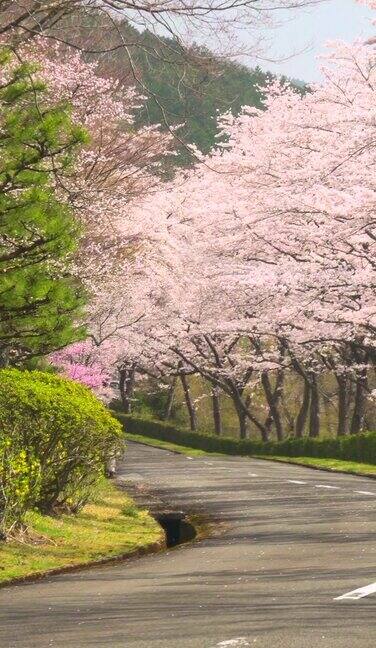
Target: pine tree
{"x": 40, "y": 298}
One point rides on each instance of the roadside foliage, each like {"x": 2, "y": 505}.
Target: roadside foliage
{"x": 56, "y": 439}
{"x": 242, "y": 283}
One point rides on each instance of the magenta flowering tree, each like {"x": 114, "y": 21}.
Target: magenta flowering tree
{"x": 80, "y": 363}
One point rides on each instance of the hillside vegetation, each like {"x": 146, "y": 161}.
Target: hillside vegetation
{"x": 183, "y": 87}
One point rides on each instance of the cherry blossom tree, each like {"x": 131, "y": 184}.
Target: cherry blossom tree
{"x": 117, "y": 250}
{"x": 119, "y": 163}
{"x": 276, "y": 245}
{"x": 255, "y": 266}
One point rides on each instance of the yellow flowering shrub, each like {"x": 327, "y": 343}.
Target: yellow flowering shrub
{"x": 55, "y": 439}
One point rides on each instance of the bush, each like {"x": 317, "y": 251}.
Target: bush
{"x": 55, "y": 437}
{"x": 20, "y": 478}
{"x": 360, "y": 447}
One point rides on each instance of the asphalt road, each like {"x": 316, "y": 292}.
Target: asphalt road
{"x": 294, "y": 540}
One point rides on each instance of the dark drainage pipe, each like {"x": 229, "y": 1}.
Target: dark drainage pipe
{"x": 176, "y": 527}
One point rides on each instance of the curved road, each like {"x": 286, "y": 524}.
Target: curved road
{"x": 295, "y": 539}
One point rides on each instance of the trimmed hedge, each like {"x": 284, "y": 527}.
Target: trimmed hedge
{"x": 360, "y": 447}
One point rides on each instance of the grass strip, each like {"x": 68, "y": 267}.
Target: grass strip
{"x": 332, "y": 465}
{"x": 167, "y": 445}
{"x": 335, "y": 465}
{"x": 109, "y": 526}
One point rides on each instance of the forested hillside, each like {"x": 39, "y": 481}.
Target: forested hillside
{"x": 189, "y": 88}
{"x": 185, "y": 87}
{"x": 194, "y": 96}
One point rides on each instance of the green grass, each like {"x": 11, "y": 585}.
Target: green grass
{"x": 166, "y": 445}
{"x": 335, "y": 465}
{"x": 338, "y": 465}
{"x": 107, "y": 527}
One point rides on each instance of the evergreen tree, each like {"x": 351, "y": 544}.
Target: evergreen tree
{"x": 40, "y": 299}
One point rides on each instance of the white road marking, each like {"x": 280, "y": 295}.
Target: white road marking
{"x": 295, "y": 481}
{"x": 234, "y": 643}
{"x": 358, "y": 593}
{"x": 365, "y": 492}
{"x": 326, "y": 486}
{"x": 252, "y": 475}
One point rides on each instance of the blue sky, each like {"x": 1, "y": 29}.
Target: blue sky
{"x": 311, "y": 28}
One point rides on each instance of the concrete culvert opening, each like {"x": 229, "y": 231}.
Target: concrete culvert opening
{"x": 177, "y": 528}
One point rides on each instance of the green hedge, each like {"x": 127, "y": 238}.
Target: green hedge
{"x": 55, "y": 437}
{"x": 361, "y": 447}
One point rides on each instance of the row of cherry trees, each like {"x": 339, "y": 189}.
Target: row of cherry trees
{"x": 254, "y": 269}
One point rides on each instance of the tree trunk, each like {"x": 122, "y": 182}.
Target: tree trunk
{"x": 189, "y": 403}
{"x": 343, "y": 405}
{"x": 272, "y": 398}
{"x": 126, "y": 386}
{"x": 243, "y": 411}
{"x": 242, "y": 416}
{"x": 303, "y": 412}
{"x": 170, "y": 399}
{"x": 216, "y": 411}
{"x": 357, "y": 421}
{"x": 314, "y": 414}
{"x": 122, "y": 387}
